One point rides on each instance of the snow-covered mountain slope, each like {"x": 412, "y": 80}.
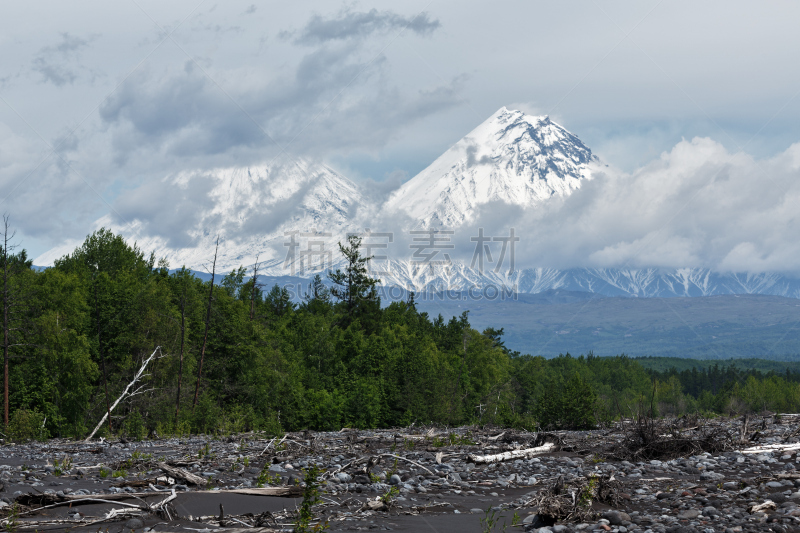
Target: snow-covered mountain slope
{"x": 252, "y": 209}
{"x": 641, "y": 283}
{"x": 512, "y": 157}
{"x": 291, "y": 214}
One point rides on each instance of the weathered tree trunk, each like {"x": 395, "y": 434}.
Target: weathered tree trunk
{"x": 180, "y": 366}
{"x": 515, "y": 454}
{"x": 208, "y": 322}
{"x": 102, "y": 356}
{"x": 180, "y": 473}
{"x": 5, "y": 323}
{"x": 125, "y": 392}
{"x": 253, "y": 290}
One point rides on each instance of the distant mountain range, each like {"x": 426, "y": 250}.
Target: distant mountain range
{"x": 281, "y": 212}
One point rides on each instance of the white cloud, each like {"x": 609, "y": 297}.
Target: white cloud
{"x": 697, "y": 205}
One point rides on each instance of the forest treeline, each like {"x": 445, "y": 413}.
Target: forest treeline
{"x": 237, "y": 356}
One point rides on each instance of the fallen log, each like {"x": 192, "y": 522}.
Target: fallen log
{"x": 514, "y": 454}
{"x": 49, "y": 499}
{"x": 180, "y": 473}
{"x": 227, "y": 530}
{"x": 284, "y": 492}
{"x": 772, "y": 448}
{"x": 787, "y": 475}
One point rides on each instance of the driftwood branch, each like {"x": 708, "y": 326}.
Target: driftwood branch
{"x": 772, "y": 448}
{"x": 125, "y": 393}
{"x": 180, "y": 473}
{"x": 407, "y": 460}
{"x": 514, "y": 454}
{"x": 46, "y": 501}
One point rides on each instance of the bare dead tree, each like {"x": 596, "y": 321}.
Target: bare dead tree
{"x": 14, "y": 299}
{"x": 6, "y": 305}
{"x": 127, "y": 392}
{"x": 253, "y": 290}
{"x": 183, "y": 302}
{"x": 207, "y": 324}
{"x": 100, "y": 350}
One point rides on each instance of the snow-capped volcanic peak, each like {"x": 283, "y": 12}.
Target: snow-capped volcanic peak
{"x": 251, "y": 208}
{"x": 512, "y": 157}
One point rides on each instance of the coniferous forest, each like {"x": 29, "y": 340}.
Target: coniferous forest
{"x": 192, "y": 356}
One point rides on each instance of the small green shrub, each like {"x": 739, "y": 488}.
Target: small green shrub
{"x": 310, "y": 498}
{"x": 63, "y": 466}
{"x": 265, "y": 477}
{"x": 390, "y": 495}
{"x": 490, "y": 520}
{"x": 136, "y": 458}
{"x": 25, "y": 425}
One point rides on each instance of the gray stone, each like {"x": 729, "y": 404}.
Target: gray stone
{"x": 774, "y": 484}
{"x": 616, "y": 518}
{"x": 689, "y": 514}
{"x": 394, "y": 480}
{"x": 134, "y": 523}
{"x": 343, "y": 477}
{"x": 534, "y": 522}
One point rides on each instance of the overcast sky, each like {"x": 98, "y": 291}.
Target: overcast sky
{"x": 97, "y": 99}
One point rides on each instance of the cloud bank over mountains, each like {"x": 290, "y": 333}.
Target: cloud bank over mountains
{"x": 698, "y": 205}
{"x": 128, "y": 116}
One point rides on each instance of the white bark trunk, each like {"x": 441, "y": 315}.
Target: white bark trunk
{"x": 514, "y": 454}
{"x": 136, "y": 378}
{"x": 772, "y": 448}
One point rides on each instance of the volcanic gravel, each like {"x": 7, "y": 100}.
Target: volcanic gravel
{"x": 431, "y": 482}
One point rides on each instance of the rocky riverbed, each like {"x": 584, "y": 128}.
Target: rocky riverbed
{"x": 418, "y": 479}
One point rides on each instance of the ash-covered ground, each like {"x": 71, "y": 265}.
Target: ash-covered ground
{"x": 637, "y": 476}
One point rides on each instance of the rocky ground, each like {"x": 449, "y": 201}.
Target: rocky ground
{"x": 418, "y": 479}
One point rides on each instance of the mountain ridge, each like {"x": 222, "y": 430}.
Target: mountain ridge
{"x": 281, "y": 212}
